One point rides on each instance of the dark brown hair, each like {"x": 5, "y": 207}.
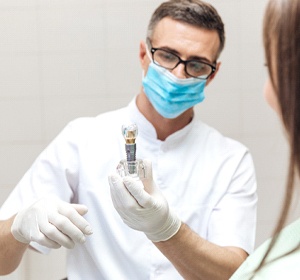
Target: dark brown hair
{"x": 194, "y": 12}
{"x": 281, "y": 34}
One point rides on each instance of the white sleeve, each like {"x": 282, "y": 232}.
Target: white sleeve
{"x": 233, "y": 220}
{"x": 54, "y": 172}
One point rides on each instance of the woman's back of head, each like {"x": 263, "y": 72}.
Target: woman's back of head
{"x": 282, "y": 49}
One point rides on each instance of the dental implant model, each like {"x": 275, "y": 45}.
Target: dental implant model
{"x": 131, "y": 166}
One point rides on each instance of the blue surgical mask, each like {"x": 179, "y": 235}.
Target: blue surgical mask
{"x": 169, "y": 95}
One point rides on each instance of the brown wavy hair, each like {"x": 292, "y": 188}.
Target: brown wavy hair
{"x": 194, "y": 12}
{"x": 281, "y": 36}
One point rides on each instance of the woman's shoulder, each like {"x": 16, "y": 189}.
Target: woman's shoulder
{"x": 281, "y": 264}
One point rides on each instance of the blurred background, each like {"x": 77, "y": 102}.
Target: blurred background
{"x": 63, "y": 59}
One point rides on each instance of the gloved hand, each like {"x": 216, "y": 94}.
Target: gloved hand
{"x": 143, "y": 207}
{"x": 52, "y": 223}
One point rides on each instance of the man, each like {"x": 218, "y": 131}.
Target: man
{"x": 206, "y": 179}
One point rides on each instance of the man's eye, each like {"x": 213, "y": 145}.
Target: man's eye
{"x": 196, "y": 66}
{"x": 166, "y": 56}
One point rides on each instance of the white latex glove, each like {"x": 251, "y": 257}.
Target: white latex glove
{"x": 143, "y": 207}
{"x": 52, "y": 223}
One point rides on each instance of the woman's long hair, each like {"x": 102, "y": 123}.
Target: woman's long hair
{"x": 281, "y": 34}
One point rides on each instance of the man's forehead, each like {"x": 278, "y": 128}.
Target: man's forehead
{"x": 186, "y": 39}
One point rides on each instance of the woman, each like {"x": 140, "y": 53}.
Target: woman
{"x": 279, "y": 257}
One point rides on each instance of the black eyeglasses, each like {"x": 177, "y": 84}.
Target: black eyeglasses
{"x": 194, "y": 68}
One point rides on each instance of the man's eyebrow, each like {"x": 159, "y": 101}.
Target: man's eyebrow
{"x": 201, "y": 58}
{"x": 194, "y": 57}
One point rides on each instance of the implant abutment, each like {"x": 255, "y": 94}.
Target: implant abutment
{"x": 130, "y": 152}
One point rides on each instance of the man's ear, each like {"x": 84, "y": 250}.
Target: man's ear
{"x": 214, "y": 74}
{"x": 144, "y": 60}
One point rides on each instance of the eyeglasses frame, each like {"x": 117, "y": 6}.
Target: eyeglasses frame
{"x": 184, "y": 62}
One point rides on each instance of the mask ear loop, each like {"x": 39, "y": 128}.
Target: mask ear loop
{"x": 149, "y": 56}
{"x": 148, "y": 53}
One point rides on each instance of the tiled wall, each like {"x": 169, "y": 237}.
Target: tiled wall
{"x": 61, "y": 59}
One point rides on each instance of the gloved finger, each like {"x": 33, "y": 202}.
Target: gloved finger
{"x": 80, "y": 208}
{"x": 51, "y": 237}
{"x": 75, "y": 224}
{"x": 148, "y": 168}
{"x": 47, "y": 234}
{"x": 45, "y": 241}
{"x": 148, "y": 181}
{"x": 121, "y": 197}
{"x": 136, "y": 188}
{"x": 63, "y": 231}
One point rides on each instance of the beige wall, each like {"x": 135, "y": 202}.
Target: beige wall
{"x": 61, "y": 59}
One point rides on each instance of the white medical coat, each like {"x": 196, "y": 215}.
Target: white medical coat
{"x": 208, "y": 180}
